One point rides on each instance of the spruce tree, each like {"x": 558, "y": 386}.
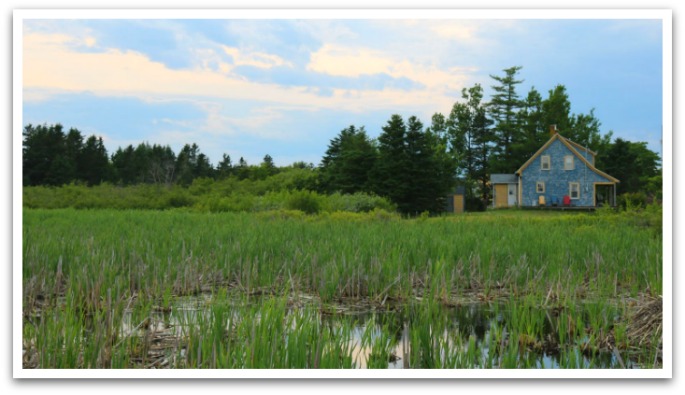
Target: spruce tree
{"x": 224, "y": 169}
{"x": 93, "y": 162}
{"x": 348, "y": 161}
{"x": 534, "y": 132}
{"x": 390, "y": 178}
{"x": 503, "y": 108}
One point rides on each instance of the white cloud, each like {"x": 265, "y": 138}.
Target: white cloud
{"x": 350, "y": 61}
{"x": 453, "y": 30}
{"x": 51, "y": 64}
{"x": 256, "y": 59}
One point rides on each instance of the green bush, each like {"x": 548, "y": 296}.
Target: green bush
{"x": 305, "y": 201}
{"x": 358, "y": 203}
{"x": 633, "y": 200}
{"x": 179, "y": 198}
{"x": 205, "y": 195}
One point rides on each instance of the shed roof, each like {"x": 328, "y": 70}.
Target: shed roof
{"x": 503, "y": 179}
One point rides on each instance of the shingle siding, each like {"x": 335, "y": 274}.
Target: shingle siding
{"x": 557, "y": 179}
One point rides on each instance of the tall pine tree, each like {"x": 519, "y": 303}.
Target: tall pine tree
{"x": 470, "y": 133}
{"x": 389, "y": 176}
{"x": 504, "y": 107}
{"x": 348, "y": 161}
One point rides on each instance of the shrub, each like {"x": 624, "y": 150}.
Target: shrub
{"x": 632, "y": 200}
{"x": 305, "y": 201}
{"x": 358, "y": 202}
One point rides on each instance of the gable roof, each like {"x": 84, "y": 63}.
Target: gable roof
{"x": 573, "y": 143}
{"x": 570, "y": 145}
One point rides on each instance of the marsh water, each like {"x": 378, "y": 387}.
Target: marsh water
{"x": 488, "y": 334}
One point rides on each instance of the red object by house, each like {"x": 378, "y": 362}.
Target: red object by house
{"x": 567, "y": 200}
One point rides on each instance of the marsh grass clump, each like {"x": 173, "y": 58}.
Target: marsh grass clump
{"x": 645, "y": 328}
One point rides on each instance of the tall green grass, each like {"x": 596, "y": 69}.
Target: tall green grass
{"x": 85, "y": 270}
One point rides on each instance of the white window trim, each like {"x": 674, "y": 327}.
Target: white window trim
{"x": 570, "y": 190}
{"x": 537, "y": 184}
{"x": 542, "y": 162}
{"x": 573, "y": 163}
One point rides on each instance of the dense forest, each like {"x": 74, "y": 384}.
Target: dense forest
{"x": 410, "y": 165}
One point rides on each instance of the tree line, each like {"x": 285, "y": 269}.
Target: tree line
{"x": 412, "y": 165}
{"x": 52, "y": 156}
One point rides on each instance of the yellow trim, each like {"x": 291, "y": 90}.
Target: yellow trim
{"x": 568, "y": 145}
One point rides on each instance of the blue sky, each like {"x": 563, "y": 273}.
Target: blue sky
{"x": 286, "y": 87}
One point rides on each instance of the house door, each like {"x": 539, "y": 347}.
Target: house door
{"x": 512, "y": 195}
{"x": 501, "y": 195}
{"x": 458, "y": 203}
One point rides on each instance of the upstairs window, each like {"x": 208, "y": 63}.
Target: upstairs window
{"x": 574, "y": 190}
{"x": 545, "y": 162}
{"x": 568, "y": 162}
{"x": 540, "y": 187}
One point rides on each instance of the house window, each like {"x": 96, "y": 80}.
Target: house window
{"x": 540, "y": 187}
{"x": 545, "y": 162}
{"x": 568, "y": 162}
{"x": 574, "y": 190}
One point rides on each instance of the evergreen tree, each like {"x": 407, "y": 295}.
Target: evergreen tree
{"x": 414, "y": 169}
{"x": 186, "y": 164}
{"x": 504, "y": 107}
{"x": 224, "y": 169}
{"x": 534, "y": 131}
{"x": 73, "y": 145}
{"x": 632, "y": 163}
{"x": 266, "y": 168}
{"x": 389, "y": 176}
{"x": 483, "y": 137}
{"x": 93, "y": 162}
{"x": 123, "y": 165}
{"x": 348, "y": 161}
{"x": 470, "y": 127}
{"x": 585, "y": 131}
{"x": 141, "y": 163}
{"x": 439, "y": 125}
{"x": 556, "y": 110}
{"x": 203, "y": 168}
{"x": 43, "y": 156}
{"x": 458, "y": 126}
{"x": 161, "y": 165}
{"x": 431, "y": 172}
{"x": 243, "y": 170}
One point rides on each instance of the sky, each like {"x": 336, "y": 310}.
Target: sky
{"x": 286, "y": 87}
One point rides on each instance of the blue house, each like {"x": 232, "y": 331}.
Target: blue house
{"x": 560, "y": 173}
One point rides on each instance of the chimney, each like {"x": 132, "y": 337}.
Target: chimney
{"x": 552, "y": 130}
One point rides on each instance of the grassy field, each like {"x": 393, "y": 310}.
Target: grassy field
{"x": 281, "y": 289}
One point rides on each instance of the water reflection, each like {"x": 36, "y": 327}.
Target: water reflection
{"x": 468, "y": 336}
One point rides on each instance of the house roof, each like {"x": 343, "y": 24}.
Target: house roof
{"x": 503, "y": 179}
{"x": 570, "y": 145}
{"x": 573, "y": 143}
